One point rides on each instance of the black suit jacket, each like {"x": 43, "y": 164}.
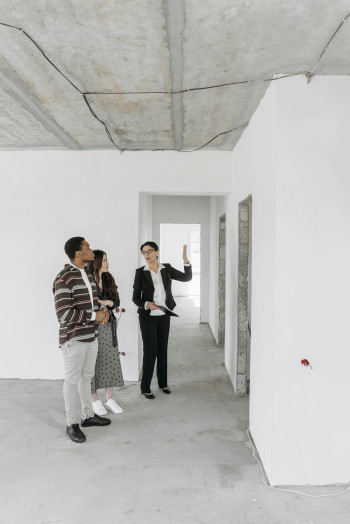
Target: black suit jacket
{"x": 144, "y": 288}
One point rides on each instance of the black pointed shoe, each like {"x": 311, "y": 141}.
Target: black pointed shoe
{"x": 74, "y": 433}
{"x": 166, "y": 390}
{"x": 148, "y": 395}
{"x": 96, "y": 420}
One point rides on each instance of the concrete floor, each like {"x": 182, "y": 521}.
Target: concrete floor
{"x": 183, "y": 458}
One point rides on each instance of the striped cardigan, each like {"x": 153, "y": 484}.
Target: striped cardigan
{"x": 73, "y": 306}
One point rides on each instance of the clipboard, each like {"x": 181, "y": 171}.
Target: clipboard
{"x": 167, "y": 311}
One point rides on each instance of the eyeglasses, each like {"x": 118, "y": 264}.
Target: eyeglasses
{"x": 147, "y": 252}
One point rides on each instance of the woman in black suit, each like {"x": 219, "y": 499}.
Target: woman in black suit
{"x": 152, "y": 294}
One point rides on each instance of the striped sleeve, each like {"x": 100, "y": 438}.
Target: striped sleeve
{"x": 64, "y": 304}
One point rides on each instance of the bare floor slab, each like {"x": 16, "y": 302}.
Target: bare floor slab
{"x": 181, "y": 458}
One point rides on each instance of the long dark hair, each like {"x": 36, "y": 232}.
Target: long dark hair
{"x": 108, "y": 281}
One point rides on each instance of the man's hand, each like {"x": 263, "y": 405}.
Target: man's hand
{"x": 106, "y": 303}
{"x": 152, "y": 306}
{"x": 102, "y": 316}
{"x": 184, "y": 254}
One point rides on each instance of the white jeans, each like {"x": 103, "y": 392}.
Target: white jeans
{"x": 79, "y": 362}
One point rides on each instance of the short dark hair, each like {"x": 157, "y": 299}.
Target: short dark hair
{"x": 152, "y": 244}
{"x": 72, "y": 245}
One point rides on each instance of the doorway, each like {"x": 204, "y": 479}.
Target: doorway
{"x": 244, "y": 296}
{"x": 172, "y": 238}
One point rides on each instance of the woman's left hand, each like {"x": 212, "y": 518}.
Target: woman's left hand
{"x": 184, "y": 254}
{"x": 106, "y": 303}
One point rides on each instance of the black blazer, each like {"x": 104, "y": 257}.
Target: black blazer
{"x": 144, "y": 288}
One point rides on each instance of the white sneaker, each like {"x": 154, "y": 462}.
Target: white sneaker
{"x": 98, "y": 408}
{"x": 113, "y": 406}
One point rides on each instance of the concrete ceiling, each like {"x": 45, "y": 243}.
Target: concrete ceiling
{"x": 117, "y": 67}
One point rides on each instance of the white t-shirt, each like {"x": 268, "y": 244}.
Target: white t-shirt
{"x": 88, "y": 285}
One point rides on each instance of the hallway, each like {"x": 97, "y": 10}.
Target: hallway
{"x": 182, "y": 458}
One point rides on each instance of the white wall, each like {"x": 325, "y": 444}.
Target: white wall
{"x": 254, "y": 173}
{"x": 218, "y": 207}
{"x": 145, "y": 231}
{"x": 294, "y": 159}
{"x": 312, "y": 281}
{"x": 213, "y": 265}
{"x": 145, "y": 219}
{"x": 187, "y": 210}
{"x": 49, "y": 196}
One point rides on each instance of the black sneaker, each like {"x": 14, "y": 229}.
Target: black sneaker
{"x": 74, "y": 433}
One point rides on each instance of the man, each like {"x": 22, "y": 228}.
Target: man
{"x": 76, "y": 308}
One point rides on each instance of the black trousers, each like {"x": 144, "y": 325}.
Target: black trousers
{"x": 155, "y": 335}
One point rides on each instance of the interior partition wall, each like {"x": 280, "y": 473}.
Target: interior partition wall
{"x": 243, "y": 293}
{"x": 222, "y": 281}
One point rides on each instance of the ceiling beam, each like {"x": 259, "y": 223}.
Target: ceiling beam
{"x": 49, "y": 123}
{"x": 175, "y": 14}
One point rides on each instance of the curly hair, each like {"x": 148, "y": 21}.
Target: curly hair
{"x": 72, "y": 245}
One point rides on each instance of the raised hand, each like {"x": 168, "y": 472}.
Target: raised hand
{"x": 184, "y": 254}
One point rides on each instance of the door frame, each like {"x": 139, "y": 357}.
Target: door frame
{"x": 243, "y": 327}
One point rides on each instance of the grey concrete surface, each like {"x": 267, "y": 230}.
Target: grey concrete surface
{"x": 182, "y": 458}
{"x": 131, "y": 47}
